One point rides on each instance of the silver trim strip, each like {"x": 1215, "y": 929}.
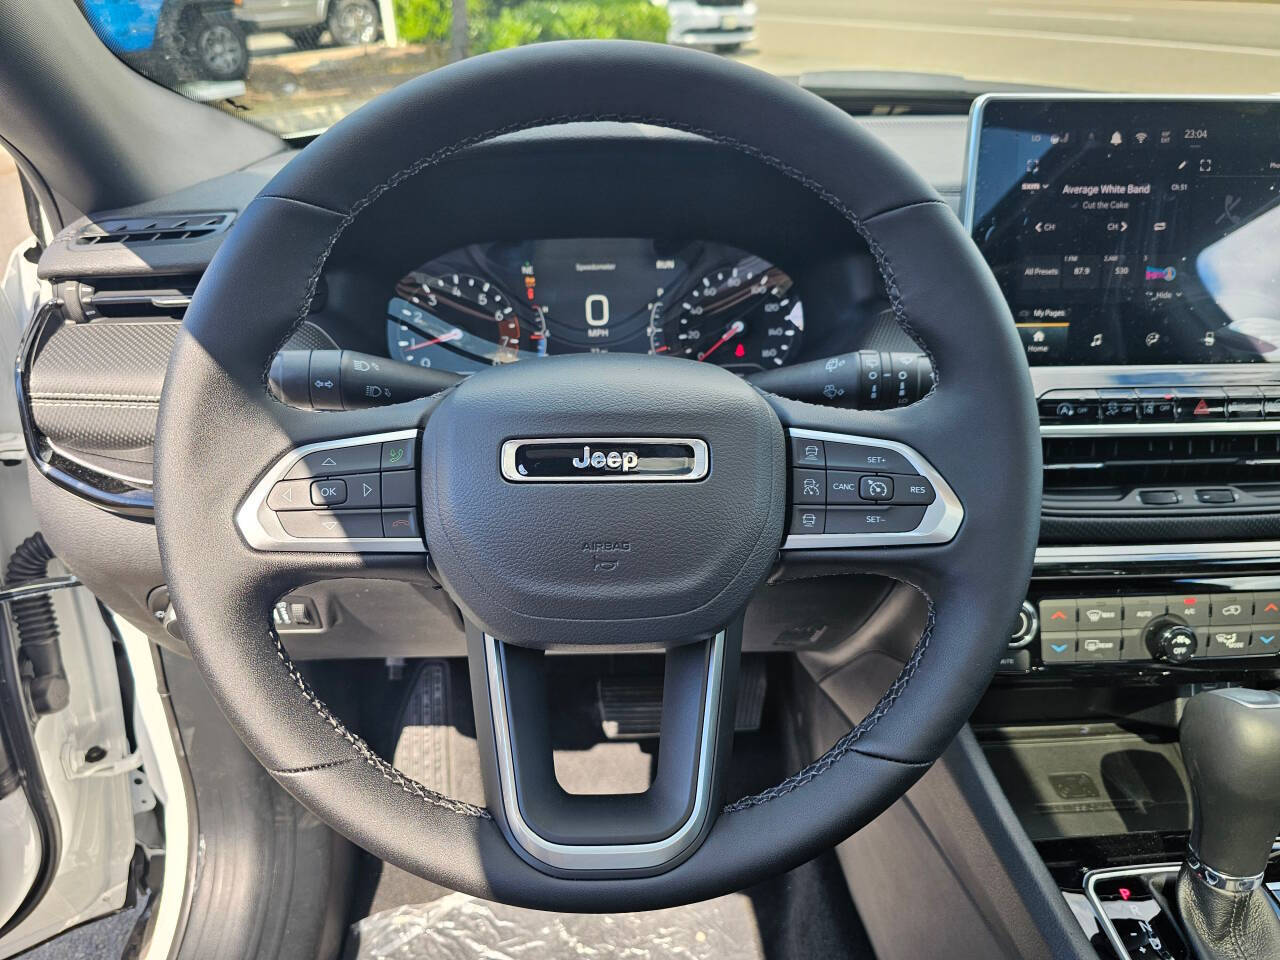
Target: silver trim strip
{"x": 1157, "y": 429}
{"x": 939, "y": 524}
{"x": 1158, "y": 552}
{"x": 701, "y": 460}
{"x": 621, "y": 856}
{"x": 1095, "y": 902}
{"x": 262, "y": 530}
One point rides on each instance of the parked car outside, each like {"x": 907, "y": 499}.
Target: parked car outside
{"x": 174, "y": 41}
{"x": 349, "y": 22}
{"x": 721, "y": 26}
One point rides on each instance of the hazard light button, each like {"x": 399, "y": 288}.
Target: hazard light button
{"x": 1201, "y": 403}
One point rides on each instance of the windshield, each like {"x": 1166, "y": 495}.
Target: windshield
{"x": 298, "y": 66}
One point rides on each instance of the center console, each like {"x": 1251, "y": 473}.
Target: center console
{"x": 1135, "y": 241}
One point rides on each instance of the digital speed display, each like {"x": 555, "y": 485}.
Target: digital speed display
{"x": 1126, "y": 231}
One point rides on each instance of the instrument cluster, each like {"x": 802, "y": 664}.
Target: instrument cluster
{"x": 501, "y": 302}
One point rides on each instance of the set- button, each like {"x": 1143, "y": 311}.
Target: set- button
{"x": 361, "y": 491}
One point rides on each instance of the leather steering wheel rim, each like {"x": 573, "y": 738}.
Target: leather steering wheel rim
{"x": 219, "y": 429}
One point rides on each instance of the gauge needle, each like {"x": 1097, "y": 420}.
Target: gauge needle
{"x": 453, "y": 334}
{"x": 735, "y": 328}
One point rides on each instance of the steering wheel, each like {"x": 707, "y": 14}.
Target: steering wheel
{"x": 593, "y": 499}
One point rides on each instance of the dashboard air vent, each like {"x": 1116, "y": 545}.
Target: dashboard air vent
{"x": 140, "y": 230}
{"x": 1162, "y": 473}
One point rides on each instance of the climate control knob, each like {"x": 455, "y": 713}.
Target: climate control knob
{"x": 1171, "y": 640}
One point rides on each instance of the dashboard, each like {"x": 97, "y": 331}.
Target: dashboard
{"x": 500, "y": 302}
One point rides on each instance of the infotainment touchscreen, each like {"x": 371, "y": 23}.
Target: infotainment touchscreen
{"x": 1126, "y": 231}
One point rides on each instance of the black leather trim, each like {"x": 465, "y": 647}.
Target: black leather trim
{"x": 218, "y": 430}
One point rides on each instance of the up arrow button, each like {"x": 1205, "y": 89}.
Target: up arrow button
{"x": 336, "y": 460}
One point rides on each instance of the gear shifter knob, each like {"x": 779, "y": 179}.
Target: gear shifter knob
{"x": 1230, "y": 743}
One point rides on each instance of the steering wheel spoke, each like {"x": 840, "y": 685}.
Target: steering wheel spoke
{"x": 619, "y": 834}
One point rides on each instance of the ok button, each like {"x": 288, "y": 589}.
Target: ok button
{"x": 328, "y": 492}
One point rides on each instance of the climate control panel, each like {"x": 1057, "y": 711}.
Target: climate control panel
{"x": 1171, "y": 629}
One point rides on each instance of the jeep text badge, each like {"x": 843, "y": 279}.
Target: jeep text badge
{"x": 594, "y": 459}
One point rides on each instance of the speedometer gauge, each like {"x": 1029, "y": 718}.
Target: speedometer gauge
{"x": 743, "y": 315}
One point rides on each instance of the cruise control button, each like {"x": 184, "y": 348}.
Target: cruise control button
{"x": 364, "y": 490}
{"x": 843, "y": 487}
{"x": 873, "y": 519}
{"x": 327, "y": 493}
{"x": 400, "y": 523}
{"x": 328, "y": 524}
{"x": 807, "y": 453}
{"x": 913, "y": 490}
{"x": 325, "y": 463}
{"x": 1232, "y": 608}
{"x": 290, "y": 495}
{"x": 808, "y": 520}
{"x": 399, "y": 488}
{"x": 1190, "y": 607}
{"x": 398, "y": 454}
{"x": 808, "y": 486}
{"x": 862, "y": 456}
{"x": 875, "y": 488}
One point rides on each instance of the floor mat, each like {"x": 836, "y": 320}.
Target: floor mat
{"x": 428, "y": 727}
{"x": 459, "y": 927}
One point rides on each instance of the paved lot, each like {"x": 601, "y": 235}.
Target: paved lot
{"x": 1142, "y": 45}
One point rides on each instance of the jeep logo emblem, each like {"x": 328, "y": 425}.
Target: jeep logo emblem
{"x": 613, "y": 460}
{"x": 592, "y": 459}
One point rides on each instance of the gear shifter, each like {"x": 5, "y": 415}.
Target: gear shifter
{"x": 1230, "y": 743}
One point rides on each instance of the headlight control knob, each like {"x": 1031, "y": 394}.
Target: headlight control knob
{"x": 1171, "y": 640}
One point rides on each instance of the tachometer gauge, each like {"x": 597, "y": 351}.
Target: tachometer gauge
{"x": 457, "y": 314}
{"x": 744, "y": 315}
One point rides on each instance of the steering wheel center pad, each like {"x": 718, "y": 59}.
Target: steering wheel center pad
{"x": 219, "y": 431}
{"x": 632, "y": 556}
